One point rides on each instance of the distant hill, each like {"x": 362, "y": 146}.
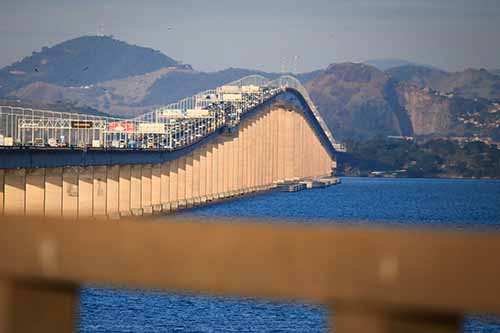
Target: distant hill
{"x": 359, "y": 102}
{"x": 471, "y": 83}
{"x": 111, "y": 76}
{"x": 82, "y": 61}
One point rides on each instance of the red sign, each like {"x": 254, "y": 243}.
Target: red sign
{"x": 121, "y": 127}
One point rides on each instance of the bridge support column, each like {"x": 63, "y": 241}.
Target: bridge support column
{"x": 135, "y": 189}
{"x": 85, "y": 191}
{"x": 244, "y": 138}
{"x": 251, "y": 156}
{"x": 181, "y": 183}
{"x": 234, "y": 166}
{"x": 196, "y": 177}
{"x": 53, "y": 192}
{"x": 165, "y": 187}
{"x": 156, "y": 188}
{"x": 35, "y": 192}
{"x": 237, "y": 165}
{"x": 100, "y": 191}
{"x": 14, "y": 191}
{"x": 113, "y": 192}
{"x": 124, "y": 196}
{"x": 70, "y": 192}
{"x": 174, "y": 177}
{"x": 189, "y": 180}
{"x": 275, "y": 143}
{"x": 146, "y": 189}
{"x": 210, "y": 173}
{"x": 223, "y": 167}
{"x": 203, "y": 175}
{"x": 217, "y": 172}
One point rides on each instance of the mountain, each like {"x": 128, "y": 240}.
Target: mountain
{"x": 82, "y": 61}
{"x": 359, "y": 101}
{"x": 495, "y": 72}
{"x": 419, "y": 76}
{"x": 470, "y": 83}
{"x": 111, "y": 76}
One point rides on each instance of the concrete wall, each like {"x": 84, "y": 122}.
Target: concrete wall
{"x": 275, "y": 145}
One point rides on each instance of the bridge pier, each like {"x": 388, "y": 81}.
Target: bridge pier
{"x": 53, "y": 192}
{"x": 70, "y": 192}
{"x": 100, "y": 191}
{"x": 124, "y": 191}
{"x": 156, "y": 188}
{"x": 14, "y": 185}
{"x": 35, "y": 192}
{"x": 113, "y": 192}
{"x": 146, "y": 189}
{"x": 85, "y": 191}
{"x": 165, "y": 187}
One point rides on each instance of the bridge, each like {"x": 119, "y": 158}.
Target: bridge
{"x": 246, "y": 136}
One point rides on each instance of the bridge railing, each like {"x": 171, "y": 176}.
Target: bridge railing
{"x": 372, "y": 280}
{"x": 159, "y": 129}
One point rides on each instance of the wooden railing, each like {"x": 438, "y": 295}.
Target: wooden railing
{"x": 376, "y": 280}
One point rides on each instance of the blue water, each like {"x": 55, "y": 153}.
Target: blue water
{"x": 451, "y": 204}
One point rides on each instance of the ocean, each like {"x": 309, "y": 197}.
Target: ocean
{"x": 398, "y": 203}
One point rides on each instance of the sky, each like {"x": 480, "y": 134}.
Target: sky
{"x": 270, "y": 35}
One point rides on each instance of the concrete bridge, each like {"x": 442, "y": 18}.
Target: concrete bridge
{"x": 254, "y": 137}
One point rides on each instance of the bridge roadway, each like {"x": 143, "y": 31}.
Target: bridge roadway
{"x": 276, "y": 141}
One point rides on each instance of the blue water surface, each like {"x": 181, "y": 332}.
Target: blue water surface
{"x": 430, "y": 203}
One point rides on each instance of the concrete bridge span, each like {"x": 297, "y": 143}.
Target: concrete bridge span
{"x": 279, "y": 140}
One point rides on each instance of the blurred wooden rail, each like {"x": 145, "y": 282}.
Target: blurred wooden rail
{"x": 378, "y": 280}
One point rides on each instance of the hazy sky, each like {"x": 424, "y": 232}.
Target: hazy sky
{"x": 267, "y": 34}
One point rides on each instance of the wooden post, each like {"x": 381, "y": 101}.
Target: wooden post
{"x": 38, "y": 307}
{"x": 359, "y": 318}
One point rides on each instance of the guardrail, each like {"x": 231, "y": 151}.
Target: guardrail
{"x": 156, "y": 129}
{"x": 374, "y": 280}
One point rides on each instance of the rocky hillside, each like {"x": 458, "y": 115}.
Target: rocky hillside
{"x": 471, "y": 83}
{"x": 359, "y": 102}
